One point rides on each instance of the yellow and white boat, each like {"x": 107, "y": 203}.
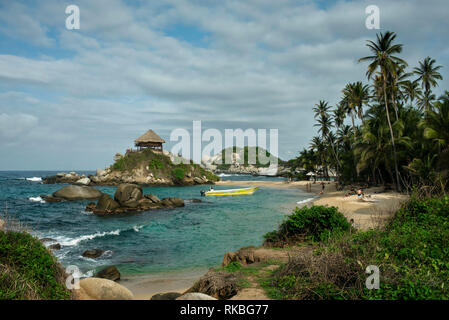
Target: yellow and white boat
{"x": 231, "y": 192}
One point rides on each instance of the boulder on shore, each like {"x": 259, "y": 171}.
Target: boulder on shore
{"x": 72, "y": 193}
{"x": 195, "y": 296}
{"x": 110, "y": 273}
{"x": 220, "y": 285}
{"x": 102, "y": 289}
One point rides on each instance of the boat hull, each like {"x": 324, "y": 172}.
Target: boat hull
{"x": 231, "y": 192}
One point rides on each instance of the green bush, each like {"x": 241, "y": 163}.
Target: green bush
{"x": 156, "y": 164}
{"x": 315, "y": 223}
{"x": 28, "y": 269}
{"x": 179, "y": 173}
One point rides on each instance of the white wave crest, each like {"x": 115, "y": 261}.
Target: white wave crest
{"x": 138, "y": 228}
{"x": 306, "y": 200}
{"x": 34, "y": 179}
{"x": 36, "y": 199}
{"x": 65, "y": 241}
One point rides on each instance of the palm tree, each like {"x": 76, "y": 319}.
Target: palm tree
{"x": 410, "y": 90}
{"x": 383, "y": 58}
{"x": 428, "y": 75}
{"x": 325, "y": 124}
{"x": 358, "y": 95}
{"x": 347, "y": 106}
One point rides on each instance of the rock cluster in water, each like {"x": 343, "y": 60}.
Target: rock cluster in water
{"x": 130, "y": 197}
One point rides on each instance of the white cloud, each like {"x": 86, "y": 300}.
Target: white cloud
{"x": 264, "y": 64}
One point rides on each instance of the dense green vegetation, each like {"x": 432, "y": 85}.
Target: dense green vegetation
{"x": 28, "y": 270}
{"x": 161, "y": 166}
{"x": 403, "y": 137}
{"x": 411, "y": 253}
{"x": 315, "y": 223}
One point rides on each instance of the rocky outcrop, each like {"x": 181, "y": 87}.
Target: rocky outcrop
{"x": 72, "y": 193}
{"x": 102, "y": 289}
{"x": 63, "y": 177}
{"x": 195, "y": 296}
{"x": 220, "y": 285}
{"x": 144, "y": 168}
{"x": 129, "y": 197}
{"x": 93, "y": 253}
{"x": 110, "y": 273}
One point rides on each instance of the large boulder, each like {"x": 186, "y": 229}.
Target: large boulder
{"x": 106, "y": 203}
{"x": 220, "y": 285}
{"x": 72, "y": 193}
{"x": 103, "y": 289}
{"x": 128, "y": 195}
{"x": 2, "y": 224}
{"x": 110, "y": 273}
{"x": 195, "y": 296}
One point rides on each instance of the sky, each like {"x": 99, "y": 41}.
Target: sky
{"x": 71, "y": 99}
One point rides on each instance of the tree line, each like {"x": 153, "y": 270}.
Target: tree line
{"x": 403, "y": 136}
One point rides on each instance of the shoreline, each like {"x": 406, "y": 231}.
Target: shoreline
{"x": 366, "y": 214}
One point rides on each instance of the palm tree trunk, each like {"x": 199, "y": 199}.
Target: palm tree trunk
{"x": 398, "y": 186}
{"x": 393, "y": 100}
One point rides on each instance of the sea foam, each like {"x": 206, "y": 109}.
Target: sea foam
{"x": 306, "y": 200}
{"x": 36, "y": 199}
{"x": 34, "y": 179}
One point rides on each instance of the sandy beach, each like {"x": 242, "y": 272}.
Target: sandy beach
{"x": 373, "y": 212}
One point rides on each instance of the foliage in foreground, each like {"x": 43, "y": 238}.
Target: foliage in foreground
{"x": 315, "y": 223}
{"x": 28, "y": 270}
{"x": 411, "y": 253}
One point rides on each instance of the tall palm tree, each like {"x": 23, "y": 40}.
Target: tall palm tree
{"x": 325, "y": 124}
{"x": 428, "y": 75}
{"x": 383, "y": 58}
{"x": 358, "y": 95}
{"x": 349, "y": 107}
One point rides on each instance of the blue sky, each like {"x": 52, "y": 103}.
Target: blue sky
{"x": 72, "y": 99}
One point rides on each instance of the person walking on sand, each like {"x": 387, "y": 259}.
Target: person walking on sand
{"x": 322, "y": 187}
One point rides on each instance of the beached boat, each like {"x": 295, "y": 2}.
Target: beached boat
{"x": 231, "y": 192}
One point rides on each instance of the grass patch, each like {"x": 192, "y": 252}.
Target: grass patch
{"x": 28, "y": 270}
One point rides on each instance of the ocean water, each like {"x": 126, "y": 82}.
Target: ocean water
{"x": 194, "y": 236}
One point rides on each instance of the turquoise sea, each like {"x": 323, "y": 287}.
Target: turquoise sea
{"x": 191, "y": 237}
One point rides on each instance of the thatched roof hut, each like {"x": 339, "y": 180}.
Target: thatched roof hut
{"x": 149, "y": 140}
